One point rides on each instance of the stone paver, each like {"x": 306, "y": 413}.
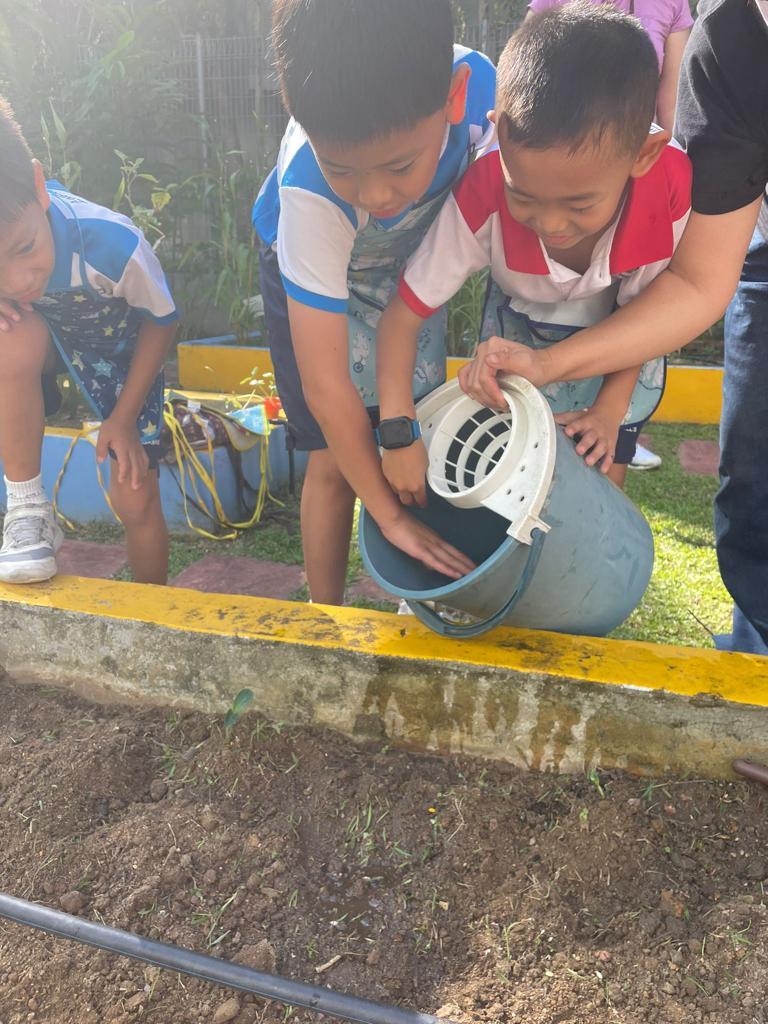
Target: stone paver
{"x": 366, "y": 588}
{"x": 699, "y": 457}
{"x": 226, "y": 574}
{"x": 94, "y": 561}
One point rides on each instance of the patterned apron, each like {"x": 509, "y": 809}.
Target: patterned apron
{"x": 377, "y": 261}
{"x": 501, "y": 319}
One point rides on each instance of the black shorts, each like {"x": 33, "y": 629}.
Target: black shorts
{"x": 626, "y": 442}
{"x": 52, "y": 401}
{"x": 303, "y": 427}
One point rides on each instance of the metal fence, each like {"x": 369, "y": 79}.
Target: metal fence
{"x": 230, "y": 82}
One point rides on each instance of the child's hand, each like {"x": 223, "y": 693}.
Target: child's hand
{"x": 406, "y": 471}
{"x": 597, "y": 430}
{"x": 123, "y": 438}
{"x": 418, "y": 541}
{"x": 10, "y": 315}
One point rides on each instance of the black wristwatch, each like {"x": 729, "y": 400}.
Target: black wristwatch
{"x": 399, "y": 432}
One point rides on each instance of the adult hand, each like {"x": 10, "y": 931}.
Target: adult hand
{"x": 499, "y": 356}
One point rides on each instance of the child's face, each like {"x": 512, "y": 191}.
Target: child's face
{"x": 568, "y": 198}
{"x": 386, "y": 176}
{"x": 26, "y": 250}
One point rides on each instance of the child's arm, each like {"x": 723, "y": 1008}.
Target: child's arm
{"x": 457, "y": 245}
{"x": 398, "y": 335}
{"x": 598, "y": 426}
{"x": 119, "y": 431}
{"x": 320, "y": 341}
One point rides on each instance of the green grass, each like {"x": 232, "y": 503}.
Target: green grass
{"x": 685, "y": 602}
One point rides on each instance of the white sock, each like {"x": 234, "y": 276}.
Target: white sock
{"x": 25, "y": 492}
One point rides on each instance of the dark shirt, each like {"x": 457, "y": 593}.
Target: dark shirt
{"x": 722, "y": 112}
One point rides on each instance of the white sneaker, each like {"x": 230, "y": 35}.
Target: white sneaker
{"x": 403, "y": 608}
{"x": 31, "y": 538}
{"x": 644, "y": 459}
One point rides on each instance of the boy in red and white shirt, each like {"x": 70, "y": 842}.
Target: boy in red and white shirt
{"x": 580, "y": 209}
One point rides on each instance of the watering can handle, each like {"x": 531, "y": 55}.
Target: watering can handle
{"x": 435, "y": 621}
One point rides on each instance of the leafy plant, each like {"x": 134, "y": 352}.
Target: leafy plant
{"x": 465, "y": 311}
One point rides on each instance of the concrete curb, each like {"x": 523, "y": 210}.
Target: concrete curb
{"x": 538, "y": 700}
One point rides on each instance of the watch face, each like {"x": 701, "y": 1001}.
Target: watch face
{"x": 396, "y": 433}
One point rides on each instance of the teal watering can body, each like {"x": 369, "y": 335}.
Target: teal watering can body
{"x": 585, "y": 569}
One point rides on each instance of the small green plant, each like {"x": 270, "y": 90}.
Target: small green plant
{"x": 465, "y": 311}
{"x": 237, "y": 709}
{"x": 146, "y": 217}
{"x": 594, "y": 778}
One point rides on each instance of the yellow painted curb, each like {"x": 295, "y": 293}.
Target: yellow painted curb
{"x": 693, "y": 393}
{"x": 687, "y": 672}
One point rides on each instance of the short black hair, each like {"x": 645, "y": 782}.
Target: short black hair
{"x": 575, "y": 74}
{"x": 355, "y": 70}
{"x": 17, "y": 174}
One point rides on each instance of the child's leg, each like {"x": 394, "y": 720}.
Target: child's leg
{"x": 27, "y": 352}
{"x": 327, "y": 512}
{"x": 327, "y": 501}
{"x": 626, "y": 446}
{"x": 31, "y": 536}
{"x": 146, "y": 535}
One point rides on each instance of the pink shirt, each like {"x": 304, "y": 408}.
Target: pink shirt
{"x": 659, "y": 18}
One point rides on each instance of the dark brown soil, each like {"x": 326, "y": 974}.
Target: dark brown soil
{"x": 452, "y": 885}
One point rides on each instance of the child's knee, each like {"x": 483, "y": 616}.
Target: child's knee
{"x": 324, "y": 472}
{"x": 136, "y": 508}
{"x": 27, "y": 348}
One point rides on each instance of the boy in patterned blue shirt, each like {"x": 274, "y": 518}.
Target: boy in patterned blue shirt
{"x": 81, "y": 290}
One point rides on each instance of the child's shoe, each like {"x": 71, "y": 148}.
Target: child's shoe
{"x": 645, "y": 459}
{"x": 31, "y": 538}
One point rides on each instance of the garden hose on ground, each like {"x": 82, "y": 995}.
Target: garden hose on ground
{"x": 220, "y": 972}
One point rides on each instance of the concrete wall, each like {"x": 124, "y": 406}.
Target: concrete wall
{"x": 537, "y": 700}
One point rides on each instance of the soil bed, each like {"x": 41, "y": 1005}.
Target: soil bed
{"x": 448, "y": 885}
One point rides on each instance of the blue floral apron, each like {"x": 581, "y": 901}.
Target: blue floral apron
{"x": 95, "y": 336}
{"x": 377, "y": 261}
{"x": 501, "y": 319}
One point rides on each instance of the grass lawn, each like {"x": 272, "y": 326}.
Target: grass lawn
{"x": 685, "y": 603}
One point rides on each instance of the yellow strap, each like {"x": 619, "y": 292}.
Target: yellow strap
{"x": 189, "y": 463}
{"x": 191, "y": 469}
{"x": 85, "y": 434}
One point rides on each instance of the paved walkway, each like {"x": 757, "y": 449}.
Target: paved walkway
{"x": 227, "y": 574}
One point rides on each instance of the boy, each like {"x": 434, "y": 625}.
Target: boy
{"x": 80, "y": 290}
{"x": 386, "y": 115}
{"x": 581, "y": 207}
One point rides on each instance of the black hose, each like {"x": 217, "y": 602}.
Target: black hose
{"x": 208, "y": 968}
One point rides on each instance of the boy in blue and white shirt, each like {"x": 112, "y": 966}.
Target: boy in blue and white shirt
{"x": 386, "y": 116}
{"x": 81, "y": 290}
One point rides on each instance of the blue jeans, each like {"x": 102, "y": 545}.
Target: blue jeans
{"x": 741, "y": 505}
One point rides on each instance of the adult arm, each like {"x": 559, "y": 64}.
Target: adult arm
{"x": 684, "y": 300}
{"x": 666, "y": 99}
